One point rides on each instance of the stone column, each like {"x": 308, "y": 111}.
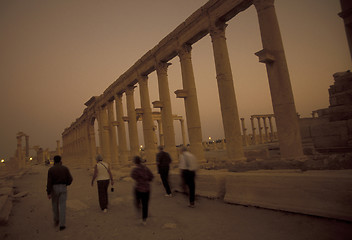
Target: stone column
{"x": 265, "y": 130}
{"x": 166, "y": 111}
{"x": 27, "y": 147}
{"x": 147, "y": 120}
{"x": 112, "y": 134}
{"x": 161, "y": 133}
{"x": 58, "y": 152}
{"x": 77, "y": 154}
{"x": 121, "y": 131}
{"x": 227, "y": 95}
{"x": 254, "y": 137}
{"x": 260, "y": 128}
{"x": 184, "y": 142}
{"x": 244, "y": 130}
{"x": 92, "y": 144}
{"x": 20, "y": 162}
{"x": 346, "y": 15}
{"x": 271, "y": 130}
{"x": 104, "y": 133}
{"x": 273, "y": 56}
{"x": 132, "y": 122}
{"x": 189, "y": 94}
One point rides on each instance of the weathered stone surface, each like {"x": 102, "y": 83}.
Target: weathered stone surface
{"x": 5, "y": 209}
{"x": 6, "y": 191}
{"x": 169, "y": 226}
{"x": 19, "y": 195}
{"x": 210, "y": 184}
{"x": 320, "y": 193}
{"x": 76, "y": 204}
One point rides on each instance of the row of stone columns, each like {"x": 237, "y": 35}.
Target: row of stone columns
{"x": 259, "y": 138}
{"x": 282, "y": 99}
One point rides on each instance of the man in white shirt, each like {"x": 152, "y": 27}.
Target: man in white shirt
{"x": 188, "y": 166}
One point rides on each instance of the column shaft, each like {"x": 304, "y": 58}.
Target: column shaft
{"x": 271, "y": 130}
{"x": 104, "y": 133}
{"x": 260, "y": 128}
{"x": 148, "y": 125}
{"x": 161, "y": 133}
{"x": 191, "y": 103}
{"x": 254, "y": 137}
{"x": 273, "y": 56}
{"x": 20, "y": 162}
{"x": 121, "y": 130}
{"x": 229, "y": 111}
{"x": 184, "y": 142}
{"x": 27, "y": 147}
{"x": 244, "y": 131}
{"x": 112, "y": 134}
{"x": 166, "y": 110}
{"x": 132, "y": 122}
{"x": 91, "y": 144}
{"x": 265, "y": 130}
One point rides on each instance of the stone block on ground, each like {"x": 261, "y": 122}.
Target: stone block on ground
{"x": 210, "y": 184}
{"x": 319, "y": 193}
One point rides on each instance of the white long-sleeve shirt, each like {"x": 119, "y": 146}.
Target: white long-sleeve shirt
{"x": 188, "y": 161}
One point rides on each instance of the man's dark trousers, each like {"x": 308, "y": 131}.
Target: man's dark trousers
{"x": 164, "y": 175}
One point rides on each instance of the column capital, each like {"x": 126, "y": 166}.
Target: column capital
{"x": 162, "y": 67}
{"x": 184, "y": 51}
{"x": 119, "y": 96}
{"x": 263, "y": 4}
{"x": 130, "y": 90}
{"x": 218, "y": 31}
{"x": 142, "y": 79}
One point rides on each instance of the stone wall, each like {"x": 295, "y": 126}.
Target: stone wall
{"x": 332, "y": 129}
{"x": 319, "y": 193}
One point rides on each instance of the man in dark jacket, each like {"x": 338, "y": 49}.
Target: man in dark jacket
{"x": 142, "y": 176}
{"x": 163, "y": 161}
{"x": 59, "y": 177}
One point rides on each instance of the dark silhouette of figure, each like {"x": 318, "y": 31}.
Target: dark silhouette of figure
{"x": 59, "y": 177}
{"x": 163, "y": 161}
{"x": 142, "y": 176}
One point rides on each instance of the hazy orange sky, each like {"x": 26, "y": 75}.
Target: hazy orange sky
{"x": 55, "y": 55}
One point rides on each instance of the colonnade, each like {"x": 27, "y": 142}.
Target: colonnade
{"x": 261, "y": 137}
{"x": 78, "y": 139}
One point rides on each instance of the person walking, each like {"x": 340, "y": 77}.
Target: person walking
{"x": 142, "y": 176}
{"x": 103, "y": 175}
{"x": 163, "y": 161}
{"x": 188, "y": 166}
{"x": 59, "y": 177}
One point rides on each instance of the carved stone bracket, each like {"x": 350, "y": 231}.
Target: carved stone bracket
{"x": 265, "y": 56}
{"x": 157, "y": 104}
{"x": 181, "y": 93}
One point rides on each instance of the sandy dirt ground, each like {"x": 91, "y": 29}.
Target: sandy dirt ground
{"x": 170, "y": 218}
